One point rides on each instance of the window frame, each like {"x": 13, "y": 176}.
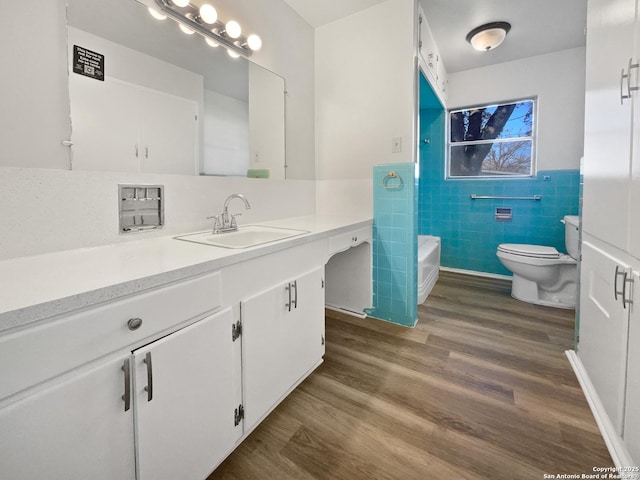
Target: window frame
{"x": 494, "y": 175}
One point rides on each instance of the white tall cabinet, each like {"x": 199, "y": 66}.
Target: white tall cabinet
{"x": 609, "y": 336}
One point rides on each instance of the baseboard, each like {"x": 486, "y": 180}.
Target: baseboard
{"x": 617, "y": 449}
{"x": 476, "y": 274}
{"x": 346, "y": 310}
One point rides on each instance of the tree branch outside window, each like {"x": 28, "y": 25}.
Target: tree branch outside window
{"x": 492, "y": 140}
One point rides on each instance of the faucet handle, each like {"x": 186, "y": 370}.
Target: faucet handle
{"x": 216, "y": 223}
{"x": 234, "y": 224}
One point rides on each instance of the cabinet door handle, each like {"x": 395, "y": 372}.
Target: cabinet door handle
{"x": 288, "y": 289}
{"x": 615, "y": 283}
{"x": 146, "y": 152}
{"x": 629, "y": 87}
{"x": 295, "y": 298}
{"x": 625, "y": 96}
{"x": 136, "y": 145}
{"x": 149, "y": 387}
{"x": 126, "y": 368}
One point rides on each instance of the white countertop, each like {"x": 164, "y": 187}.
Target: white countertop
{"x": 41, "y": 286}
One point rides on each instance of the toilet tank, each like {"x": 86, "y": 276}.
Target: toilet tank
{"x": 571, "y": 234}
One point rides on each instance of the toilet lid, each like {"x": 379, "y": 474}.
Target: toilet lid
{"x": 538, "y": 251}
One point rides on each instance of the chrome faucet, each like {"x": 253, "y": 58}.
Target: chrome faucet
{"x": 226, "y": 222}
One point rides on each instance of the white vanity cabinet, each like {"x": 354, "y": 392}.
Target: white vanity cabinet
{"x": 283, "y": 338}
{"x": 73, "y": 428}
{"x": 70, "y": 388}
{"x": 184, "y": 396}
{"x": 164, "y": 383}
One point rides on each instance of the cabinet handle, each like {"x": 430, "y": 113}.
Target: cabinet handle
{"x": 126, "y": 368}
{"x": 295, "y": 298}
{"x": 146, "y": 152}
{"x": 288, "y": 289}
{"x": 625, "y": 280}
{"x": 629, "y": 87}
{"x": 134, "y": 323}
{"x": 627, "y": 75}
{"x": 149, "y": 387}
{"x": 615, "y": 283}
{"x": 136, "y": 145}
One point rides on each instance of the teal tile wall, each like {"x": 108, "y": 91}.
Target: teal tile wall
{"x": 395, "y": 217}
{"x": 468, "y": 229}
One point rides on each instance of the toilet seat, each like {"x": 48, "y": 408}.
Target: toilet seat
{"x": 532, "y": 251}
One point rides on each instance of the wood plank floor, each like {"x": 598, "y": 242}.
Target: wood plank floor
{"x": 480, "y": 389}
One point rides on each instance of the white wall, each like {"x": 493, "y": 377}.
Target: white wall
{"x": 49, "y": 210}
{"x": 364, "y": 98}
{"x": 557, "y": 79}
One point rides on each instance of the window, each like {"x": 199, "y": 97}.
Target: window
{"x": 492, "y": 140}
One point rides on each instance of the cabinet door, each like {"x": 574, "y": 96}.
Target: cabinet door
{"x": 104, "y": 121}
{"x": 607, "y": 146}
{"x": 634, "y": 189}
{"x": 604, "y": 327}
{"x": 306, "y": 336}
{"x": 280, "y": 342}
{"x": 185, "y": 400}
{"x": 168, "y": 147}
{"x": 631, "y": 433}
{"x": 75, "y": 429}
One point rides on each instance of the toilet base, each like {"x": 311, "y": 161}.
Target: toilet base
{"x": 529, "y": 291}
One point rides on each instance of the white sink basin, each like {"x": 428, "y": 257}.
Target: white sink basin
{"x": 245, "y": 237}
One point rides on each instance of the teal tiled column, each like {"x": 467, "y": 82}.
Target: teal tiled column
{"x": 395, "y": 271}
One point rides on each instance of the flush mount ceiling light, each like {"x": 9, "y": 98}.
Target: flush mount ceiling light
{"x": 489, "y": 36}
{"x": 204, "y": 20}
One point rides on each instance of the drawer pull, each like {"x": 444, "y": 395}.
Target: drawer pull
{"x": 134, "y": 323}
{"x": 127, "y": 385}
{"x": 288, "y": 289}
{"x": 149, "y": 387}
{"x": 295, "y": 298}
{"x": 615, "y": 282}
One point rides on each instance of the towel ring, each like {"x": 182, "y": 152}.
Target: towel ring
{"x": 389, "y": 176}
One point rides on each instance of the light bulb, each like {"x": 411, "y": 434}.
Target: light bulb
{"x": 180, "y": 3}
{"x": 211, "y": 43}
{"x": 208, "y": 14}
{"x": 156, "y": 14}
{"x": 233, "y": 29}
{"x": 233, "y": 54}
{"x": 254, "y": 42}
{"x": 185, "y": 29}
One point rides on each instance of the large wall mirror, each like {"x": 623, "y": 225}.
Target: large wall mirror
{"x": 168, "y": 102}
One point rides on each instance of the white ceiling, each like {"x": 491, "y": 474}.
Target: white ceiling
{"x": 321, "y": 12}
{"x": 538, "y": 26}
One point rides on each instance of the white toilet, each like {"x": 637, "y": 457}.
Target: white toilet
{"x": 542, "y": 275}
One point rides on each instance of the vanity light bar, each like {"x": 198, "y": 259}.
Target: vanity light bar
{"x": 189, "y": 16}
